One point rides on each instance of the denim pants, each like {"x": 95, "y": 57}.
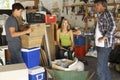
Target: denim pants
{"x": 103, "y": 71}
{"x": 15, "y": 52}
{"x": 62, "y": 51}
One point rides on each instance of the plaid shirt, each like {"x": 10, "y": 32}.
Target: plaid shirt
{"x": 106, "y": 25}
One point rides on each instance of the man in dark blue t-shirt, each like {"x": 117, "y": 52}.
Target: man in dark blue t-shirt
{"x": 13, "y": 34}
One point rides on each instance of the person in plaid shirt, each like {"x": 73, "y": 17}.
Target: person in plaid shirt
{"x": 104, "y": 38}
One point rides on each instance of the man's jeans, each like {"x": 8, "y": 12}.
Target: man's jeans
{"x": 15, "y": 52}
{"x": 103, "y": 71}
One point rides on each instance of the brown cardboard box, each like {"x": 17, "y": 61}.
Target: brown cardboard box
{"x": 38, "y": 29}
{"x": 30, "y": 41}
{"x": 34, "y": 39}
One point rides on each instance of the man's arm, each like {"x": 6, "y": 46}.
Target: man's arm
{"x": 111, "y": 23}
{"x": 13, "y": 33}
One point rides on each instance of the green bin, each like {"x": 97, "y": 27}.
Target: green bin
{"x": 67, "y": 75}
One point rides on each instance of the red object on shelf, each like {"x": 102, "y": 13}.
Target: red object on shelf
{"x": 50, "y": 18}
{"x": 80, "y": 51}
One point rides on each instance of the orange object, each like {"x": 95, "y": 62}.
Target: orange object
{"x": 50, "y": 18}
{"x": 80, "y": 51}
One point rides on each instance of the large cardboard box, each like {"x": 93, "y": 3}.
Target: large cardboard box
{"x": 34, "y": 39}
{"x": 38, "y": 29}
{"x": 14, "y": 72}
{"x": 30, "y": 41}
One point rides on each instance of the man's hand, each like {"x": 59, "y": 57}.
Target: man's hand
{"x": 102, "y": 38}
{"x": 28, "y": 30}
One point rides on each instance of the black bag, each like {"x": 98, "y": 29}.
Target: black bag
{"x": 114, "y": 56}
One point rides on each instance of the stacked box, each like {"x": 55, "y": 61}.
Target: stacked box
{"x": 79, "y": 40}
{"x": 31, "y": 57}
{"x": 30, "y": 41}
{"x": 38, "y": 30}
{"x": 14, "y": 72}
{"x": 34, "y": 39}
{"x": 80, "y": 51}
{"x": 50, "y": 18}
{"x": 37, "y": 73}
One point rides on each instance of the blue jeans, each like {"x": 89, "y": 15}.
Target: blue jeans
{"x": 62, "y": 51}
{"x": 15, "y": 52}
{"x": 103, "y": 71}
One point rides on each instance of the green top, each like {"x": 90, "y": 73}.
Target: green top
{"x": 65, "y": 39}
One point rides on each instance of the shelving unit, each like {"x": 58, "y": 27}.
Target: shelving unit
{"x": 88, "y": 15}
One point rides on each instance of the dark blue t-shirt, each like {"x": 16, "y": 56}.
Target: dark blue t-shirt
{"x": 11, "y": 22}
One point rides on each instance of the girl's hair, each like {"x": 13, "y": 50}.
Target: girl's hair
{"x": 103, "y": 2}
{"x": 62, "y": 26}
{"x": 17, "y": 6}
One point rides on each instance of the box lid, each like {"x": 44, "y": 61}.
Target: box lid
{"x": 13, "y": 67}
{"x": 30, "y": 49}
{"x": 36, "y": 70}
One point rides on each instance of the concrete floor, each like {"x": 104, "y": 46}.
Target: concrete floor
{"x": 91, "y": 67}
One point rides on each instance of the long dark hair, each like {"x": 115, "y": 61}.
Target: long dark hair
{"x": 68, "y": 27}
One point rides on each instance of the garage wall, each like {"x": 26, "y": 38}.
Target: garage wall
{"x": 75, "y": 20}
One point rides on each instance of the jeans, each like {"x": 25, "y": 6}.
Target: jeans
{"x": 62, "y": 51}
{"x": 103, "y": 71}
{"x": 15, "y": 52}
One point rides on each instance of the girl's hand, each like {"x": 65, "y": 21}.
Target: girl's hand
{"x": 71, "y": 48}
{"x": 61, "y": 47}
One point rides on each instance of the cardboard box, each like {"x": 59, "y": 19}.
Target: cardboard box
{"x": 38, "y": 29}
{"x": 34, "y": 39}
{"x": 14, "y": 72}
{"x": 57, "y": 64}
{"x": 31, "y": 57}
{"x": 37, "y": 73}
{"x": 30, "y": 41}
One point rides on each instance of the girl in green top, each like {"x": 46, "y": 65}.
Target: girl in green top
{"x": 65, "y": 39}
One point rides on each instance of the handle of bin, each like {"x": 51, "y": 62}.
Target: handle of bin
{"x": 37, "y": 77}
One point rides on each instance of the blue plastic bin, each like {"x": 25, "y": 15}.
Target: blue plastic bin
{"x": 31, "y": 57}
{"x": 79, "y": 40}
{"x": 37, "y": 73}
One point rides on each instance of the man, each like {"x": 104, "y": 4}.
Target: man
{"x": 104, "y": 38}
{"x": 13, "y": 34}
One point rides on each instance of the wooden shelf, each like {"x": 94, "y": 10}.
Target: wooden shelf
{"x": 87, "y": 6}
{"x": 74, "y": 5}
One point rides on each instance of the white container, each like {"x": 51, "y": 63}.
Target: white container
{"x": 2, "y": 54}
{"x": 14, "y": 72}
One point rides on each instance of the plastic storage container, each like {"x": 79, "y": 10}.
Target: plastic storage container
{"x": 80, "y": 51}
{"x": 31, "y": 57}
{"x": 37, "y": 73}
{"x": 79, "y": 40}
